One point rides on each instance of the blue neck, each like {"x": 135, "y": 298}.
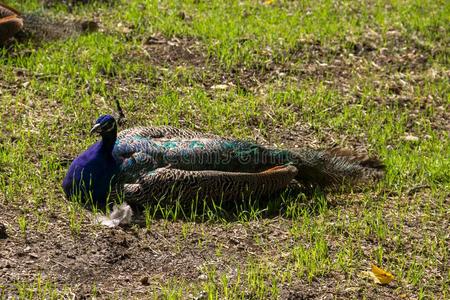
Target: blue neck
{"x": 108, "y": 141}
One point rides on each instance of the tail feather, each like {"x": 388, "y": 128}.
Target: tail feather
{"x": 40, "y": 28}
{"x": 335, "y": 167}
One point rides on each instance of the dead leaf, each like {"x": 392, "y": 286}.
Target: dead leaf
{"x": 381, "y": 276}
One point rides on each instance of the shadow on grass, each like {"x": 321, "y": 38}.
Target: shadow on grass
{"x": 292, "y": 203}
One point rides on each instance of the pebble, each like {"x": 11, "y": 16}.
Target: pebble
{"x": 411, "y": 138}
{"x": 145, "y": 281}
{"x": 203, "y": 277}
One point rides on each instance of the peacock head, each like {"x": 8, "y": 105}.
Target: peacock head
{"x": 105, "y": 126}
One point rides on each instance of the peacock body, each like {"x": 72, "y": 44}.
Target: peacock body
{"x": 10, "y": 22}
{"x": 37, "y": 28}
{"x": 146, "y": 164}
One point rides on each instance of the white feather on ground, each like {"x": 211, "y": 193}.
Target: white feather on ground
{"x": 120, "y": 215}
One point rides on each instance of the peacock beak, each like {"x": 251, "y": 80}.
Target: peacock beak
{"x": 96, "y": 129}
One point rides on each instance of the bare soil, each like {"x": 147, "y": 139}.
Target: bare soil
{"x": 134, "y": 261}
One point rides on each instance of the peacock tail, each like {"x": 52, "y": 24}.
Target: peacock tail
{"x": 38, "y": 28}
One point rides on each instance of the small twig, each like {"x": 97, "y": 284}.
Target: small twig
{"x": 416, "y": 188}
{"x": 58, "y": 263}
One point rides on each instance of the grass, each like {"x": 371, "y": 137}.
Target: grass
{"x": 370, "y": 75}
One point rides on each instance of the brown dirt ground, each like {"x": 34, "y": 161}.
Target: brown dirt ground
{"x": 134, "y": 261}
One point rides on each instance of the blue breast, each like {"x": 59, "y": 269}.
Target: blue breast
{"x": 90, "y": 175}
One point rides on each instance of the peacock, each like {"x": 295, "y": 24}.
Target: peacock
{"x": 37, "y": 28}
{"x": 10, "y": 22}
{"x": 145, "y": 164}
